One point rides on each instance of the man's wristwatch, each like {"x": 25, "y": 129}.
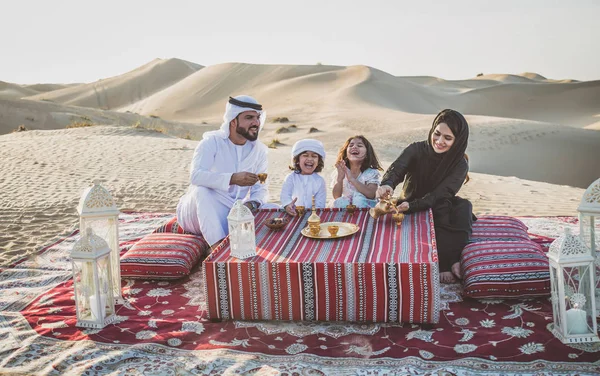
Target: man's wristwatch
{"x": 253, "y": 205}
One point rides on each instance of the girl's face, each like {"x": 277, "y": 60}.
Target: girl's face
{"x": 308, "y": 161}
{"x": 442, "y": 138}
{"x": 356, "y": 151}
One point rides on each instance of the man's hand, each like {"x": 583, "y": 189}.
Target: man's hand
{"x": 243, "y": 179}
{"x": 252, "y": 205}
{"x": 384, "y": 192}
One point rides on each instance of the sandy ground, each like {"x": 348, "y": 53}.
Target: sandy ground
{"x": 534, "y": 142}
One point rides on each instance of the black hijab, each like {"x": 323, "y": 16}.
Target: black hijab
{"x": 443, "y": 164}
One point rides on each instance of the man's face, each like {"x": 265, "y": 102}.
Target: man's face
{"x": 247, "y": 125}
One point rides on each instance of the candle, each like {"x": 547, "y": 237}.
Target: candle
{"x": 576, "y": 322}
{"x": 94, "y": 306}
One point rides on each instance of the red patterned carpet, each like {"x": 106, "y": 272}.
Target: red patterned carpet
{"x": 163, "y": 329}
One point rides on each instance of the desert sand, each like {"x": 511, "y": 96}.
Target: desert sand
{"x": 534, "y": 144}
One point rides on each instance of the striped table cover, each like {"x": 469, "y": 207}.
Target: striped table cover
{"x": 383, "y": 273}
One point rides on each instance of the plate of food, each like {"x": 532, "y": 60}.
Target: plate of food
{"x": 332, "y": 230}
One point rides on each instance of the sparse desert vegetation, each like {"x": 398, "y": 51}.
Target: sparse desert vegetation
{"x": 274, "y": 143}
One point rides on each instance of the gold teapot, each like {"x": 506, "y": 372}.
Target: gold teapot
{"x": 387, "y": 206}
{"x": 383, "y": 207}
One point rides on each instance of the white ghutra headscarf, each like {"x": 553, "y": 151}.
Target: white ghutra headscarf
{"x": 235, "y": 106}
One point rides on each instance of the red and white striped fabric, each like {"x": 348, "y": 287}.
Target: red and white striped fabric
{"x": 383, "y": 273}
{"x": 505, "y": 269}
{"x": 498, "y": 228}
{"x": 171, "y": 226}
{"x": 163, "y": 256}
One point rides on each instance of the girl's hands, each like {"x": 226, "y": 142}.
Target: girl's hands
{"x": 341, "y": 170}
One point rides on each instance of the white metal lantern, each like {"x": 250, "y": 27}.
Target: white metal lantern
{"x": 92, "y": 282}
{"x": 572, "y": 283}
{"x": 589, "y": 217}
{"x": 242, "y": 239}
{"x": 98, "y": 211}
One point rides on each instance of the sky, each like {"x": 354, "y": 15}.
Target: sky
{"x": 79, "y": 41}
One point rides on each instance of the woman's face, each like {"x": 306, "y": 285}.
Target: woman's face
{"x": 308, "y": 162}
{"x": 442, "y": 138}
{"x": 356, "y": 150}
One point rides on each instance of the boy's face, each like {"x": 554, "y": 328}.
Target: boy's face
{"x": 308, "y": 162}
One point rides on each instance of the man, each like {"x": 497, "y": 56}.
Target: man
{"x": 224, "y": 169}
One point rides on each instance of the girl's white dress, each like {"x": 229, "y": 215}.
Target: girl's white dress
{"x": 349, "y": 193}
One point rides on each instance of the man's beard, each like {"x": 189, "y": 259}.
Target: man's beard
{"x": 246, "y": 134}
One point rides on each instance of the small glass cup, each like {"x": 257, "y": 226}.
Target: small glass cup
{"x": 333, "y": 230}
{"x": 300, "y": 210}
{"x": 262, "y": 177}
{"x": 314, "y": 230}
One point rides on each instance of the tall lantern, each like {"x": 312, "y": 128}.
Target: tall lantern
{"x": 572, "y": 282}
{"x": 242, "y": 239}
{"x": 589, "y": 216}
{"x": 92, "y": 282}
{"x": 98, "y": 211}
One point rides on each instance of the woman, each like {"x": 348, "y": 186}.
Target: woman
{"x": 433, "y": 172}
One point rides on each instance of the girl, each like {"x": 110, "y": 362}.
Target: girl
{"x": 304, "y": 182}
{"x": 357, "y": 175}
{"x": 433, "y": 172}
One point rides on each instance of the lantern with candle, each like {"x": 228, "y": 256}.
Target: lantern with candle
{"x": 242, "y": 238}
{"x": 572, "y": 285}
{"x": 97, "y": 210}
{"x": 92, "y": 282}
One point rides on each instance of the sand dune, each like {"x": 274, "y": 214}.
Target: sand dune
{"x": 116, "y": 92}
{"x": 13, "y": 91}
{"x": 185, "y": 92}
{"x": 47, "y": 115}
{"x": 44, "y": 88}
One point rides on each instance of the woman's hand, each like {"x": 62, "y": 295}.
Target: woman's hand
{"x": 384, "y": 192}
{"x": 403, "y": 206}
{"x": 291, "y": 208}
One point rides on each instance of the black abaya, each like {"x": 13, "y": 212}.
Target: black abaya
{"x": 432, "y": 180}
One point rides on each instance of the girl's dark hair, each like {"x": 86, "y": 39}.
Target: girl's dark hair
{"x": 296, "y": 164}
{"x": 370, "y": 161}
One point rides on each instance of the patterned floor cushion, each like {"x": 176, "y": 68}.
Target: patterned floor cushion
{"x": 171, "y": 226}
{"x": 505, "y": 269}
{"x": 498, "y": 228}
{"x": 163, "y": 256}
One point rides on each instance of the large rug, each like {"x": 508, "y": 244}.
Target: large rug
{"x": 162, "y": 329}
